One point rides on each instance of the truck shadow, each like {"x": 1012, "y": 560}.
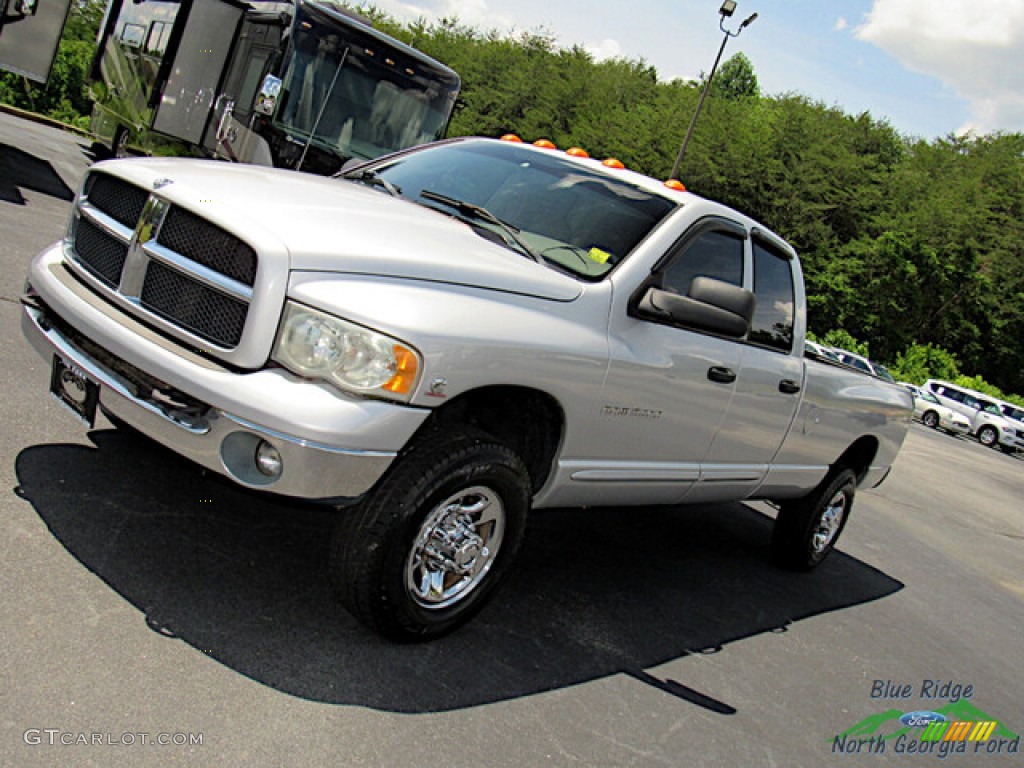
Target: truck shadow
{"x": 20, "y": 170}
{"x": 596, "y": 592}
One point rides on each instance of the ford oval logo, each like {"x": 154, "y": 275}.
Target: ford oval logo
{"x": 921, "y": 718}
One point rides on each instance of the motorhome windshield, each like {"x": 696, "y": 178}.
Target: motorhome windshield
{"x": 348, "y": 94}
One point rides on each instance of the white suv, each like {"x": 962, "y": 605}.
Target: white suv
{"x": 988, "y": 423}
{"x": 1015, "y": 415}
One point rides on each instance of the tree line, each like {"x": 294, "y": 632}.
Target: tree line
{"x": 913, "y": 249}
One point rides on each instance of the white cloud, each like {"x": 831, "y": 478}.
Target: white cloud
{"x": 841, "y": 24}
{"x": 606, "y": 49}
{"x": 973, "y": 48}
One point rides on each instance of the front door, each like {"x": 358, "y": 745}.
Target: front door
{"x": 190, "y": 96}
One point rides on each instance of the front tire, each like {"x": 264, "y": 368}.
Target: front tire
{"x": 422, "y": 553}
{"x": 119, "y": 144}
{"x": 988, "y": 436}
{"x": 931, "y": 419}
{"x": 806, "y": 530}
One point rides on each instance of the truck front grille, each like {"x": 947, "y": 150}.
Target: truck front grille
{"x": 101, "y": 252}
{"x": 182, "y": 270}
{"x": 122, "y": 202}
{"x": 203, "y": 311}
{"x": 209, "y": 245}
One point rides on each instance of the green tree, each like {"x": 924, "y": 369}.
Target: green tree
{"x": 736, "y": 79}
{"x": 920, "y": 362}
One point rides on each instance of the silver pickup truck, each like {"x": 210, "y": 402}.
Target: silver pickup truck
{"x": 441, "y": 340}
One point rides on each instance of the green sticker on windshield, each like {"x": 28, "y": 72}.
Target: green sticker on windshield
{"x": 601, "y": 257}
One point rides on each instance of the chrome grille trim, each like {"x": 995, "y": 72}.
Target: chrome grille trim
{"x": 202, "y": 297}
{"x": 105, "y": 221}
{"x": 205, "y": 275}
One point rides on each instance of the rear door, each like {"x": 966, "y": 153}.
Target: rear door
{"x": 190, "y": 95}
{"x": 769, "y": 381}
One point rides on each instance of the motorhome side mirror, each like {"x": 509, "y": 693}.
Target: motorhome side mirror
{"x": 266, "y": 99}
{"x": 711, "y": 305}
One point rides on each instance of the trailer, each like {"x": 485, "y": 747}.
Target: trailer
{"x": 304, "y": 85}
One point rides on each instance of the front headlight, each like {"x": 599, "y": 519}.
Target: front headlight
{"x": 316, "y": 345}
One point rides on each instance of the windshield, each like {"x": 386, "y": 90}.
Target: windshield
{"x": 928, "y": 396}
{"x": 352, "y": 95}
{"x": 883, "y": 372}
{"x": 583, "y": 221}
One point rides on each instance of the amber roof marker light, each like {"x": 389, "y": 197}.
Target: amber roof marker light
{"x": 728, "y": 9}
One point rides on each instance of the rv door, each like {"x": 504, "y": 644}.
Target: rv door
{"x": 29, "y": 35}
{"x": 187, "y": 104}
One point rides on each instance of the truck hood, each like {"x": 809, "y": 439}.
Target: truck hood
{"x": 333, "y": 225}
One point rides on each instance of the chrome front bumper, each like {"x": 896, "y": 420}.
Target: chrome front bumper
{"x": 236, "y": 412}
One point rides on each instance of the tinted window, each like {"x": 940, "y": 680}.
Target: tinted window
{"x": 952, "y": 394}
{"x": 714, "y": 254}
{"x": 772, "y": 325}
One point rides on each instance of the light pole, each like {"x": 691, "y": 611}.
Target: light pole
{"x": 727, "y": 10}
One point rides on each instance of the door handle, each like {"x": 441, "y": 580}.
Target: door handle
{"x": 788, "y": 387}
{"x": 721, "y": 374}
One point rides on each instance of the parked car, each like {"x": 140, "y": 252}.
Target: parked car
{"x": 930, "y": 412}
{"x": 988, "y": 423}
{"x": 1015, "y": 414}
{"x": 820, "y": 352}
{"x": 863, "y": 364}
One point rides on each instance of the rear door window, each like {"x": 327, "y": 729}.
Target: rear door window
{"x": 772, "y": 325}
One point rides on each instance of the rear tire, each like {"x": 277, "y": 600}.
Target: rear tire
{"x": 422, "y": 553}
{"x": 806, "y": 530}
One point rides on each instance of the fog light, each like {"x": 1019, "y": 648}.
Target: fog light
{"x": 268, "y": 459}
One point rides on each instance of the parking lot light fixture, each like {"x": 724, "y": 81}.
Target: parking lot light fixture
{"x": 728, "y": 9}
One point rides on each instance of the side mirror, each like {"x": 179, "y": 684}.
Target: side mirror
{"x": 266, "y": 99}
{"x": 711, "y": 305}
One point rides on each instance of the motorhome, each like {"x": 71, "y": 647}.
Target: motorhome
{"x": 304, "y": 85}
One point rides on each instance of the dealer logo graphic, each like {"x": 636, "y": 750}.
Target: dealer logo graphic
{"x": 957, "y": 727}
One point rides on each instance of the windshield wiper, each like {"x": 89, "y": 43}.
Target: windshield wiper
{"x": 474, "y": 211}
{"x": 369, "y": 176}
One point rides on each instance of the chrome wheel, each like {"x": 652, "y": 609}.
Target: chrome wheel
{"x": 987, "y": 436}
{"x": 455, "y": 547}
{"x": 807, "y": 529}
{"x": 931, "y": 419}
{"x": 829, "y": 524}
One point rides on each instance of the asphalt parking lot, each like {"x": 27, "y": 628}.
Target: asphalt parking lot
{"x": 145, "y": 602}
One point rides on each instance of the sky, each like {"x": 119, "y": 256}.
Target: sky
{"x": 928, "y": 67}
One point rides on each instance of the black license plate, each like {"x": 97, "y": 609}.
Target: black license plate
{"x": 76, "y": 390}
